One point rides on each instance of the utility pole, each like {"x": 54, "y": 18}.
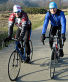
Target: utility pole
{"x": 60, "y": 3}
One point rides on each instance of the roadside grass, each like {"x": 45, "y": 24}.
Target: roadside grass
{"x": 36, "y": 19}
{"x": 66, "y": 13}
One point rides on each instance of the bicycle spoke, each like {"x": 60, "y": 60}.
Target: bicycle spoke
{"x": 52, "y": 69}
{"x": 52, "y": 64}
{"x": 14, "y": 66}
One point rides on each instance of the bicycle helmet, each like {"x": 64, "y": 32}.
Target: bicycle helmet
{"x": 16, "y": 8}
{"x": 52, "y": 5}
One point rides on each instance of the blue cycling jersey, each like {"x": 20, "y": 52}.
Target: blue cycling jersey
{"x": 56, "y": 20}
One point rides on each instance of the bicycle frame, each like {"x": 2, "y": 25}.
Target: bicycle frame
{"x": 56, "y": 43}
{"x": 23, "y": 56}
{"x": 55, "y": 50}
{"x": 16, "y": 57}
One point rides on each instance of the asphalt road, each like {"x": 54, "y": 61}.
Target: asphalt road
{"x": 38, "y": 71}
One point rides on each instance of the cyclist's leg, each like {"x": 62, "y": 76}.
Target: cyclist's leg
{"x": 52, "y": 32}
{"x": 27, "y": 45}
{"x": 61, "y": 53}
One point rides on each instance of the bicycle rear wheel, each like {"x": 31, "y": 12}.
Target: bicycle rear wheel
{"x": 14, "y": 65}
{"x": 31, "y": 49}
{"x": 52, "y": 64}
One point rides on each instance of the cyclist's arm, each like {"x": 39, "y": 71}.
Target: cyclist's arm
{"x": 63, "y": 23}
{"x": 24, "y": 25}
{"x": 46, "y": 21}
{"x": 11, "y": 24}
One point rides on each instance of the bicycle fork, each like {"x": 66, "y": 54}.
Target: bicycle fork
{"x": 23, "y": 56}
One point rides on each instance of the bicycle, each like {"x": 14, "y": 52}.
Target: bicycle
{"x": 16, "y": 57}
{"x": 54, "y": 55}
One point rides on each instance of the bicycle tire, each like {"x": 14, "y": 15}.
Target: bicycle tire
{"x": 14, "y": 65}
{"x": 52, "y": 65}
{"x": 31, "y": 49}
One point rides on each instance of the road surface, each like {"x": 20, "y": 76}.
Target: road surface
{"x": 38, "y": 71}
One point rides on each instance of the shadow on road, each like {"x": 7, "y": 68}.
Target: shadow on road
{"x": 45, "y": 59}
{"x": 35, "y": 62}
{"x": 19, "y": 78}
{"x": 64, "y": 71}
{"x": 60, "y": 75}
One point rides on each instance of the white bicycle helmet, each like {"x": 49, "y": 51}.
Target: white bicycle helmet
{"x": 16, "y": 8}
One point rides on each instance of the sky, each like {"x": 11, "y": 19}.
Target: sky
{"x": 38, "y": 0}
{"x": 49, "y": 0}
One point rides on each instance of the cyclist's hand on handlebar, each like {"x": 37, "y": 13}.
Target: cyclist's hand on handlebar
{"x": 7, "y": 39}
{"x": 43, "y": 38}
{"x": 20, "y": 38}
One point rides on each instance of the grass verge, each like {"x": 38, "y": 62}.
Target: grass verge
{"x": 36, "y": 19}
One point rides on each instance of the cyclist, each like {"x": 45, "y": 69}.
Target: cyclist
{"x": 21, "y": 20}
{"x": 58, "y": 22}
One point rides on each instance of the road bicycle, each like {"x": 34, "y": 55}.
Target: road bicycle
{"x": 55, "y": 54}
{"x": 17, "y": 56}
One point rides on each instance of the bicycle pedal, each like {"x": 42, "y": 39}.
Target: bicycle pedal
{"x": 22, "y": 61}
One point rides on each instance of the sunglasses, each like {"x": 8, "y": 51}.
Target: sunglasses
{"x": 17, "y": 12}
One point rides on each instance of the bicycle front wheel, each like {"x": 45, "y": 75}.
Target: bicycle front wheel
{"x": 52, "y": 65}
{"x": 31, "y": 49}
{"x": 14, "y": 65}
